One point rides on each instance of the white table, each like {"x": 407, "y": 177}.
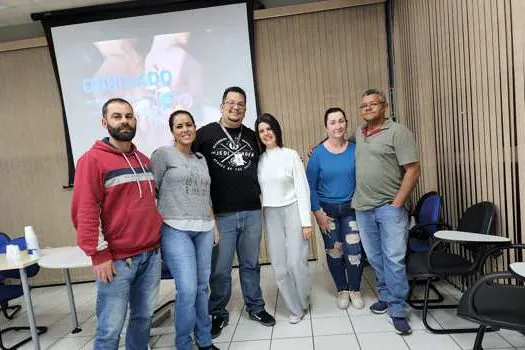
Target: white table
{"x": 518, "y": 268}
{"x": 66, "y": 258}
{"x": 469, "y": 237}
{"x": 25, "y": 261}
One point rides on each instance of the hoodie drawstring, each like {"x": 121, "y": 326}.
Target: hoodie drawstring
{"x": 144, "y": 171}
{"x": 135, "y": 173}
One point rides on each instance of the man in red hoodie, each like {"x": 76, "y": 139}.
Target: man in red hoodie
{"x": 118, "y": 226}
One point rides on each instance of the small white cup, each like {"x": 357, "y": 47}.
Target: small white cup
{"x": 29, "y": 230}
{"x": 12, "y": 253}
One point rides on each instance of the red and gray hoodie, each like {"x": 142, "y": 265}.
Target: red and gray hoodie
{"x": 113, "y": 207}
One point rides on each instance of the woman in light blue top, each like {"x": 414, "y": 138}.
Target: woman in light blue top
{"x": 331, "y": 176}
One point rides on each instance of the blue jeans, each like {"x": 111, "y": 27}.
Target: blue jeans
{"x": 343, "y": 247}
{"x": 188, "y": 257}
{"x": 242, "y": 231}
{"x": 137, "y": 284}
{"x": 384, "y": 232}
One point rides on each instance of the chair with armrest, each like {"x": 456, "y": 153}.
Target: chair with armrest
{"x": 442, "y": 261}
{"x": 496, "y": 299}
{"x": 427, "y": 217}
{"x": 9, "y": 292}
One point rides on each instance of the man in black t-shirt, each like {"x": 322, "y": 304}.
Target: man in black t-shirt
{"x": 232, "y": 154}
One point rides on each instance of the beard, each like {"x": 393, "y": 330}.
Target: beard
{"x": 119, "y": 135}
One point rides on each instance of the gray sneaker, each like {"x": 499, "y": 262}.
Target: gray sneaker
{"x": 357, "y": 299}
{"x": 343, "y": 299}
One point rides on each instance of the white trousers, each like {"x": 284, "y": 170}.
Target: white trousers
{"x": 289, "y": 255}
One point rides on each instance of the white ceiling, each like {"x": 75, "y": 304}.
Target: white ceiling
{"x": 13, "y": 12}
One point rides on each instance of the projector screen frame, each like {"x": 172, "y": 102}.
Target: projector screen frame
{"x": 57, "y": 18}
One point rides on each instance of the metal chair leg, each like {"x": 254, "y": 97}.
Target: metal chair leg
{"x": 40, "y": 330}
{"x": 417, "y": 304}
{"x": 445, "y": 330}
{"x": 11, "y": 315}
{"x": 479, "y": 338}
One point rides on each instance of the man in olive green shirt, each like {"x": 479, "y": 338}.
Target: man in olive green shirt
{"x": 387, "y": 169}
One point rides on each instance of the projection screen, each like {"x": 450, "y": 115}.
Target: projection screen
{"x": 159, "y": 62}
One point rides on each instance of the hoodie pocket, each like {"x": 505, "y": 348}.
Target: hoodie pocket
{"x": 140, "y": 229}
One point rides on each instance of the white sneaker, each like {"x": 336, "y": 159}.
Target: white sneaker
{"x": 357, "y": 299}
{"x": 293, "y": 319}
{"x": 343, "y": 300}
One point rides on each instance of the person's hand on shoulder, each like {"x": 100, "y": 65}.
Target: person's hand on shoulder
{"x": 310, "y": 150}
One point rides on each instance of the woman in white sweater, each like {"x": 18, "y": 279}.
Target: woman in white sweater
{"x": 286, "y": 210}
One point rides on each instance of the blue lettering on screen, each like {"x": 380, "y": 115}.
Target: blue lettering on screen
{"x": 108, "y": 83}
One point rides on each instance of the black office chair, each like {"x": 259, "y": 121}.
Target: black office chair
{"x": 496, "y": 299}
{"x": 427, "y": 215}
{"x": 9, "y": 292}
{"x": 443, "y": 261}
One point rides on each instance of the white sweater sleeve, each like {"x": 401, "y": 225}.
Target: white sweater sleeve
{"x": 302, "y": 189}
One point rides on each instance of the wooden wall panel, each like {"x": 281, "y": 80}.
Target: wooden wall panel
{"x": 516, "y": 50}
{"x": 307, "y": 63}
{"x": 33, "y": 162}
{"x": 413, "y": 97}
{"x": 469, "y": 61}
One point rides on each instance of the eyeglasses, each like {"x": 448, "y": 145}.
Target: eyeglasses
{"x": 232, "y": 104}
{"x": 373, "y": 104}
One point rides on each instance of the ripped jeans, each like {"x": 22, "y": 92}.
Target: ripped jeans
{"x": 343, "y": 247}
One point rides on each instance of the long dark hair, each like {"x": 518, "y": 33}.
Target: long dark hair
{"x": 274, "y": 125}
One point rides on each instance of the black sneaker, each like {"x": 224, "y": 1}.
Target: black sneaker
{"x": 263, "y": 318}
{"x": 217, "y": 324}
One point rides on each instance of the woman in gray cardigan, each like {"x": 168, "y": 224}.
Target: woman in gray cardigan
{"x": 183, "y": 185}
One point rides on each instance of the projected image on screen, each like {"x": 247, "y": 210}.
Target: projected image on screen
{"x": 159, "y": 63}
{"x": 158, "y": 82}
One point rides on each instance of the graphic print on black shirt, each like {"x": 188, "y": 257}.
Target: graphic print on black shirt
{"x": 232, "y": 156}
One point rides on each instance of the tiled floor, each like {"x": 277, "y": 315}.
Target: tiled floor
{"x": 325, "y": 327}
